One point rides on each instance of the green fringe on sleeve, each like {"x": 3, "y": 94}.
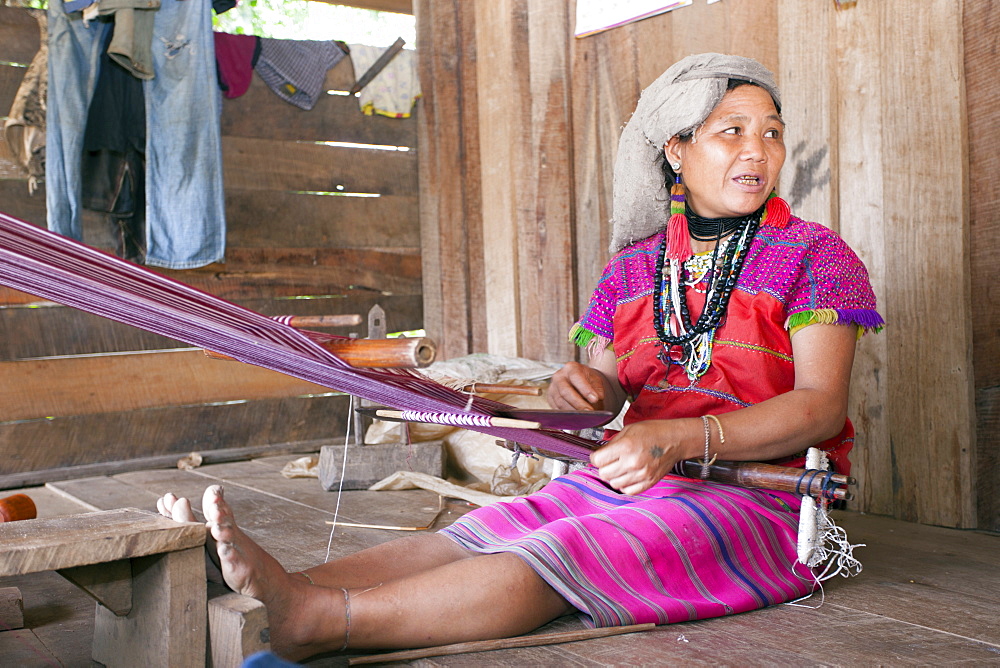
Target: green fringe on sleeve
{"x": 580, "y": 336}
{"x": 823, "y": 316}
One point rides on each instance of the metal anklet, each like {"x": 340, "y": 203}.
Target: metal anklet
{"x": 347, "y": 632}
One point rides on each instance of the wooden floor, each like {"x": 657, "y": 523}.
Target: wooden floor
{"x": 927, "y": 596}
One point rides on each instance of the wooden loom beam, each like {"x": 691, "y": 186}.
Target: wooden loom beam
{"x": 402, "y": 353}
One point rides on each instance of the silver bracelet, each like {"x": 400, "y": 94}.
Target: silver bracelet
{"x": 708, "y": 441}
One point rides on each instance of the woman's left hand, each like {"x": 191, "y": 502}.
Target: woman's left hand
{"x": 642, "y": 453}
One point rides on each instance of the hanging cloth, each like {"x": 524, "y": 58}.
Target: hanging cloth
{"x": 185, "y": 200}
{"x": 24, "y": 129}
{"x": 396, "y": 88}
{"x": 235, "y": 56}
{"x": 296, "y": 69}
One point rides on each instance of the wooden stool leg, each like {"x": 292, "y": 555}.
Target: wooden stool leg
{"x": 167, "y": 624}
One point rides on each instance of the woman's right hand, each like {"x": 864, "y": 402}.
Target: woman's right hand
{"x": 578, "y": 387}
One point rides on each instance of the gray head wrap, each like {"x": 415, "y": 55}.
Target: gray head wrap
{"x": 676, "y": 103}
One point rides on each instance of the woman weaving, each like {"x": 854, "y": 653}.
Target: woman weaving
{"x": 730, "y": 329}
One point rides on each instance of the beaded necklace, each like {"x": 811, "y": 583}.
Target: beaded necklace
{"x": 670, "y": 296}
{"x": 699, "y": 267}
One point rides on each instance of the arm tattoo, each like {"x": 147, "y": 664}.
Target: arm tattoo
{"x": 656, "y": 451}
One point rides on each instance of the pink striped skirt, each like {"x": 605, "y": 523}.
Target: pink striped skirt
{"x": 683, "y": 550}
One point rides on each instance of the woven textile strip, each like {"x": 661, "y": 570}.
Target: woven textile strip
{"x": 54, "y": 267}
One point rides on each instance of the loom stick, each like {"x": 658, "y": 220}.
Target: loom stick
{"x": 495, "y": 388}
{"x": 408, "y": 353}
{"x": 756, "y": 475}
{"x": 377, "y": 66}
{"x": 403, "y": 416}
{"x": 750, "y": 475}
{"x": 500, "y": 643}
{"x": 558, "y": 419}
{"x": 305, "y": 321}
{"x": 545, "y": 419}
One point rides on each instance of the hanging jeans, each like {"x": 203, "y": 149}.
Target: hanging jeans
{"x": 185, "y": 201}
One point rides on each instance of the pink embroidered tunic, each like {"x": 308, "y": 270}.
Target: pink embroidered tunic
{"x": 687, "y": 549}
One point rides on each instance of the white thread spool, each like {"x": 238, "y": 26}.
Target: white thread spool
{"x": 808, "y": 539}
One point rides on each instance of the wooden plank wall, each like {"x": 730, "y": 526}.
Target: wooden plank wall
{"x": 496, "y": 105}
{"x": 119, "y": 394}
{"x": 864, "y": 158}
{"x": 915, "y": 451}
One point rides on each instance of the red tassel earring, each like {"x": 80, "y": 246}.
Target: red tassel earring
{"x": 678, "y": 239}
{"x": 777, "y": 212}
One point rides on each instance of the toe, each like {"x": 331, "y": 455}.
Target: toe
{"x": 165, "y": 503}
{"x": 181, "y": 511}
{"x": 214, "y": 505}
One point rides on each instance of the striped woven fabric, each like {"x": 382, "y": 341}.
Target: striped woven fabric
{"x": 683, "y": 550}
{"x": 62, "y": 270}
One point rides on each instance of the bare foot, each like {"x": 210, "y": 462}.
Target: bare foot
{"x": 305, "y": 619}
{"x": 178, "y": 509}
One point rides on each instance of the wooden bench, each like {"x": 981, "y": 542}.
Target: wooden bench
{"x": 146, "y": 572}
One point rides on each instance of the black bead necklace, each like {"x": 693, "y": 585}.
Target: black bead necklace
{"x": 707, "y": 229}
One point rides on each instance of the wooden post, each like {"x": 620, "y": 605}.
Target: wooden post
{"x": 526, "y": 147}
{"x": 898, "y": 195}
{"x": 502, "y": 54}
{"x": 982, "y": 60}
{"x": 605, "y": 90}
{"x": 450, "y": 210}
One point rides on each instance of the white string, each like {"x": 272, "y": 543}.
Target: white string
{"x": 797, "y": 603}
{"x": 821, "y": 543}
{"x": 834, "y": 552}
{"x": 343, "y": 472}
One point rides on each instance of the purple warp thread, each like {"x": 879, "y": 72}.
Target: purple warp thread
{"x": 62, "y": 270}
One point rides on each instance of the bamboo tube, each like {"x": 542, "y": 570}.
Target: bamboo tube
{"x": 755, "y": 475}
{"x": 306, "y": 321}
{"x": 409, "y": 353}
{"x": 500, "y": 643}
